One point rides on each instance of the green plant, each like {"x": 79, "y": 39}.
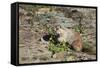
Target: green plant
{"x": 59, "y": 47}
{"x": 79, "y": 29}
{"x": 55, "y": 46}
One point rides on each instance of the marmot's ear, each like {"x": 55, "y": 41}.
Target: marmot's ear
{"x": 58, "y": 26}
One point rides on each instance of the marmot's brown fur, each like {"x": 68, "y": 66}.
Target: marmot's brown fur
{"x": 70, "y": 36}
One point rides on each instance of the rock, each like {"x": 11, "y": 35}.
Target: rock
{"x": 22, "y": 11}
{"x": 84, "y": 56}
{"x": 60, "y": 56}
{"x": 71, "y": 58}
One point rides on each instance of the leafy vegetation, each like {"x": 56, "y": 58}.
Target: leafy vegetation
{"x": 56, "y": 46}
{"x": 79, "y": 29}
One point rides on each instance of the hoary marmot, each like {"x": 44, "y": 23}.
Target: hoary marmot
{"x": 70, "y": 36}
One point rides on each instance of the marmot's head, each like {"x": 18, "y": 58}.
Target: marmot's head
{"x": 59, "y": 30}
{"x": 61, "y": 33}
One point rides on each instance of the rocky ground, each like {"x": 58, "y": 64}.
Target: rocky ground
{"x": 32, "y": 27}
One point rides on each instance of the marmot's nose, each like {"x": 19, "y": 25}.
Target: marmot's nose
{"x": 57, "y": 35}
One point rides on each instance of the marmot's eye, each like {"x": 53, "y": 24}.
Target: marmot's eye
{"x": 57, "y": 28}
